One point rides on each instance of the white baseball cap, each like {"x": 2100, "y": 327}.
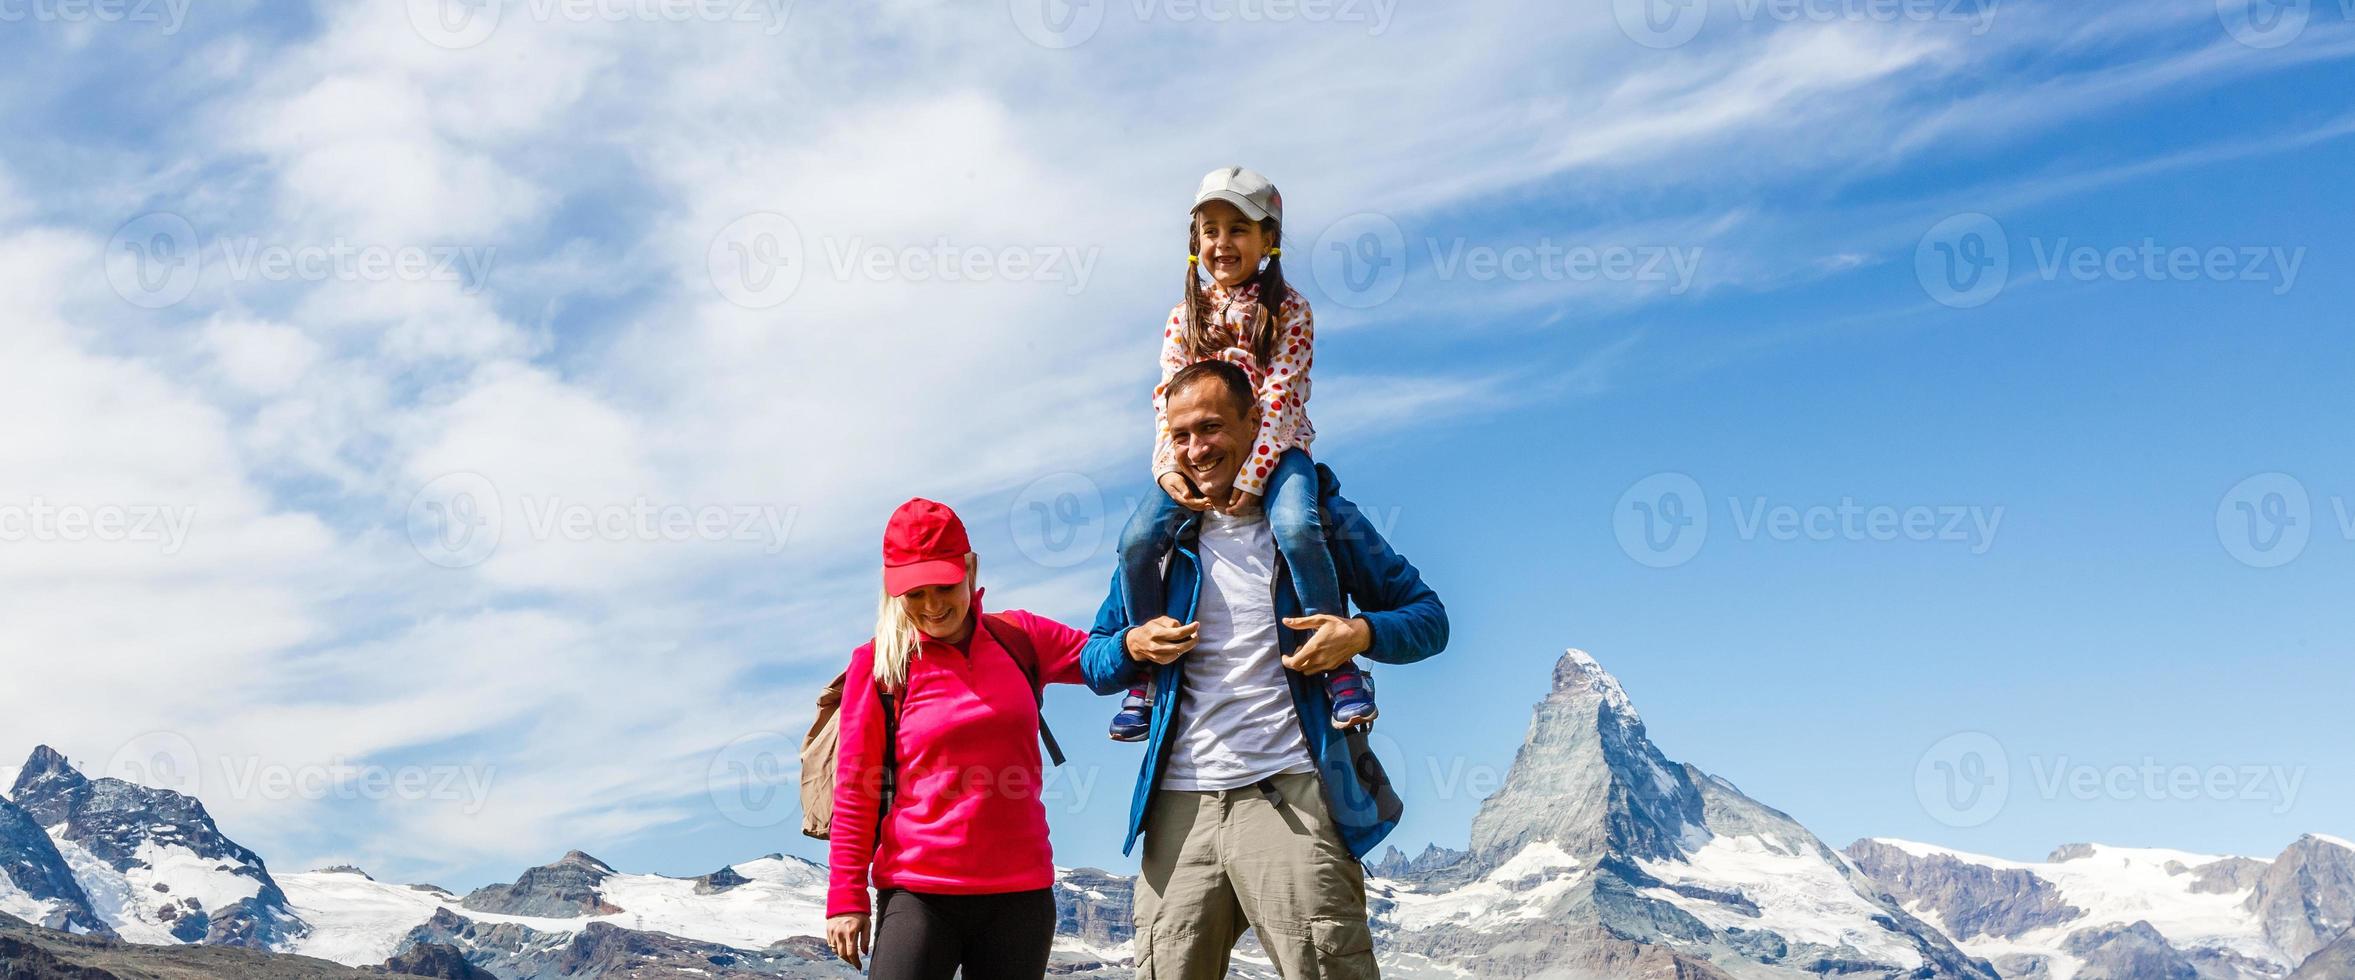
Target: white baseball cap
{"x": 1246, "y": 189}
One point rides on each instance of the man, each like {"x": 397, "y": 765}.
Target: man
{"x": 1254, "y": 809}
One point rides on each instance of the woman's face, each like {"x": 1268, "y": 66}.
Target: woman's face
{"x": 1230, "y": 244}
{"x": 939, "y": 610}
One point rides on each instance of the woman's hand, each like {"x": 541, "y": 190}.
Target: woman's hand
{"x": 1182, "y": 490}
{"x": 848, "y": 935}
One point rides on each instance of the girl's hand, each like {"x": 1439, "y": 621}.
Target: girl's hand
{"x": 1241, "y": 502}
{"x": 1182, "y": 490}
{"x": 847, "y": 934}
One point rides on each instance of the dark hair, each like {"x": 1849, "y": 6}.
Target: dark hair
{"x": 1237, "y": 384}
{"x": 1260, "y": 337}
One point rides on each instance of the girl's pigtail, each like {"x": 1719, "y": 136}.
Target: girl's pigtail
{"x": 1190, "y": 318}
{"x": 1272, "y": 292}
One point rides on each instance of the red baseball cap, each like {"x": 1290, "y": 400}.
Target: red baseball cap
{"x": 925, "y": 544}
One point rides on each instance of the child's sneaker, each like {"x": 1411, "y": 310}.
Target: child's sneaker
{"x": 1352, "y": 690}
{"x": 1135, "y": 719}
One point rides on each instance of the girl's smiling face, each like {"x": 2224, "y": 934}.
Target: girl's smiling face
{"x": 1230, "y": 244}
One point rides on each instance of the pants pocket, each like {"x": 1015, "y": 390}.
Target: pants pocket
{"x": 1344, "y": 950}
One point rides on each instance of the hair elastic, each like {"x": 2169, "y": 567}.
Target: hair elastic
{"x": 1192, "y": 259}
{"x": 1275, "y": 253}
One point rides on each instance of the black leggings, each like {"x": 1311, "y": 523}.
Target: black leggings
{"x": 994, "y": 937}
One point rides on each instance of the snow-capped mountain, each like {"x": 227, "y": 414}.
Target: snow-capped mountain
{"x": 2094, "y": 911}
{"x": 150, "y": 862}
{"x": 1599, "y": 857}
{"x": 35, "y": 883}
{"x": 1602, "y": 858}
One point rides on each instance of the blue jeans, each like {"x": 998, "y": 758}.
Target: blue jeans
{"x": 1293, "y": 516}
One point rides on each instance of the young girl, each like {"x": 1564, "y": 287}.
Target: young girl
{"x": 1246, "y": 315}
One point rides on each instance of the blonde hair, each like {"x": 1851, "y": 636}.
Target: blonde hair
{"x": 897, "y": 640}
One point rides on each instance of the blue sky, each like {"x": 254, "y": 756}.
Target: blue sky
{"x": 528, "y": 391}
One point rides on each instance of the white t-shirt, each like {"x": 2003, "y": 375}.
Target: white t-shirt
{"x": 1237, "y": 724}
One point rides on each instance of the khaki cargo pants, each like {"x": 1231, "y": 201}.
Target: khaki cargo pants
{"x": 1217, "y": 863}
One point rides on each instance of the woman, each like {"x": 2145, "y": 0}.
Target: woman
{"x": 958, "y": 852}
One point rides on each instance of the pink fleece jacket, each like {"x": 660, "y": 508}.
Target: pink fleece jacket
{"x": 968, "y": 820}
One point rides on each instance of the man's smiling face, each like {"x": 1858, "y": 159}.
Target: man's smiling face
{"x": 1212, "y": 432}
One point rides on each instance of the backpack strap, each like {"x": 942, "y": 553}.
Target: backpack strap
{"x": 889, "y": 792}
{"x": 1016, "y": 642}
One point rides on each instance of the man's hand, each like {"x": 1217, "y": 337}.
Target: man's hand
{"x": 1182, "y": 490}
{"x": 849, "y": 937}
{"x": 1335, "y": 641}
{"x": 1161, "y": 640}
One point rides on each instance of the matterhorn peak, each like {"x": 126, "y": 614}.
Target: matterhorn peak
{"x": 1579, "y": 675}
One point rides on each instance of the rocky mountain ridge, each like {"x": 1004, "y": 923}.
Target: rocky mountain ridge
{"x": 1599, "y": 857}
